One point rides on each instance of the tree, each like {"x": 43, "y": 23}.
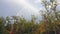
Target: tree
{"x": 2, "y": 26}
{"x": 50, "y": 15}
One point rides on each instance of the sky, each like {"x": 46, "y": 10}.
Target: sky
{"x": 21, "y": 7}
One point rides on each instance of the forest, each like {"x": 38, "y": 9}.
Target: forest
{"x": 50, "y": 23}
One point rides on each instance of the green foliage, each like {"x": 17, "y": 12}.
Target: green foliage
{"x": 50, "y": 23}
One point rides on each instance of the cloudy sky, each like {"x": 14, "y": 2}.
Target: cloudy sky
{"x": 20, "y": 7}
